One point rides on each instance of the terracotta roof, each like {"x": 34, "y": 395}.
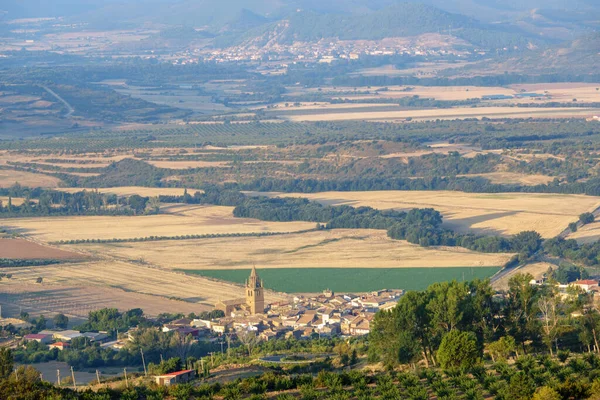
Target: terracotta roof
{"x": 585, "y": 282}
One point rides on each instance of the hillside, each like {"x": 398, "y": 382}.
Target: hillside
{"x": 580, "y": 56}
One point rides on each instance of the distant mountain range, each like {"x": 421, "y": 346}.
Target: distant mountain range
{"x": 484, "y": 23}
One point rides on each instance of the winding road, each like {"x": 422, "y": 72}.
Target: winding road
{"x": 70, "y": 110}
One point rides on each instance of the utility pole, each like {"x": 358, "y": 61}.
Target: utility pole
{"x": 144, "y": 362}
{"x": 73, "y": 377}
{"x": 98, "y": 376}
{"x": 58, "y": 377}
{"x": 126, "y": 380}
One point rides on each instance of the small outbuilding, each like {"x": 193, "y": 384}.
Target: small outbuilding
{"x": 175, "y": 377}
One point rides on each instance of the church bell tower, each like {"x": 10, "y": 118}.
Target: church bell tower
{"x": 255, "y": 294}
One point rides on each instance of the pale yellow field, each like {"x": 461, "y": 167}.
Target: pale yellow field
{"x": 502, "y": 213}
{"x": 451, "y": 113}
{"x": 131, "y": 190}
{"x": 587, "y": 234}
{"x": 136, "y": 278}
{"x": 16, "y": 201}
{"x": 535, "y": 269}
{"x": 339, "y": 248}
{"x": 188, "y": 164}
{"x": 175, "y": 220}
{"x": 10, "y": 177}
{"x": 508, "y": 178}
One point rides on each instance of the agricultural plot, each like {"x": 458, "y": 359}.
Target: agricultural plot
{"x": 26, "y": 250}
{"x": 496, "y": 213}
{"x": 76, "y": 301}
{"x": 175, "y": 220}
{"x": 589, "y": 233}
{"x": 299, "y": 280}
{"x": 340, "y": 248}
{"x": 194, "y": 293}
{"x": 10, "y": 177}
{"x": 448, "y": 114}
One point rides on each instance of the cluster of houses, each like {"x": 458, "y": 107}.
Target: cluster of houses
{"x": 62, "y": 339}
{"x": 587, "y": 285}
{"x": 324, "y": 315}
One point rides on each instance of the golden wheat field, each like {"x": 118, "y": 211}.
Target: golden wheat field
{"x": 340, "y": 248}
{"x": 587, "y": 234}
{"x": 451, "y": 113}
{"x": 495, "y": 213}
{"x": 10, "y": 177}
{"x": 175, "y": 220}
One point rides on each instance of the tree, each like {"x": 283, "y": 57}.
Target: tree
{"x": 573, "y": 227}
{"x": 527, "y": 242}
{"x": 61, "y": 321}
{"x": 458, "y": 350}
{"x": 546, "y": 393}
{"x": 502, "y": 348}
{"x": 6, "y": 362}
{"x": 153, "y": 205}
{"x": 587, "y": 218}
{"x": 248, "y": 339}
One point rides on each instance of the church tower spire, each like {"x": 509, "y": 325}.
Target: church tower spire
{"x": 255, "y": 296}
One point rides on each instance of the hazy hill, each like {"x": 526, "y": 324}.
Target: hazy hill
{"x": 577, "y": 57}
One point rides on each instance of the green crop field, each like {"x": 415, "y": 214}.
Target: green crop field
{"x": 311, "y": 280}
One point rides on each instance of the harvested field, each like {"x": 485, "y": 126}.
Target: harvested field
{"x": 508, "y": 178}
{"x": 76, "y": 301}
{"x": 130, "y": 279}
{"x": 535, "y": 269}
{"x": 131, "y": 190}
{"x": 188, "y": 164}
{"x": 589, "y": 233}
{"x": 496, "y": 213}
{"x": 10, "y": 177}
{"x": 451, "y": 113}
{"x": 16, "y": 201}
{"x": 175, "y": 220}
{"x": 26, "y": 250}
{"x": 340, "y": 248}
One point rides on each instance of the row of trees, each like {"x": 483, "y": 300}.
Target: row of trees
{"x": 42, "y": 202}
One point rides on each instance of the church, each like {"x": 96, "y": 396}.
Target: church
{"x": 253, "y": 303}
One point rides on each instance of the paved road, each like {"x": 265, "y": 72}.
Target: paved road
{"x": 70, "y": 110}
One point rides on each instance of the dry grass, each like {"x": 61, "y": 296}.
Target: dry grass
{"x": 175, "y": 220}
{"x": 10, "y": 177}
{"x": 498, "y": 213}
{"x": 451, "y": 113}
{"x": 324, "y": 249}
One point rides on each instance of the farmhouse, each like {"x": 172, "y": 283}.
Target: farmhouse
{"x": 175, "y": 377}
{"x": 37, "y": 337}
{"x": 586, "y": 284}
